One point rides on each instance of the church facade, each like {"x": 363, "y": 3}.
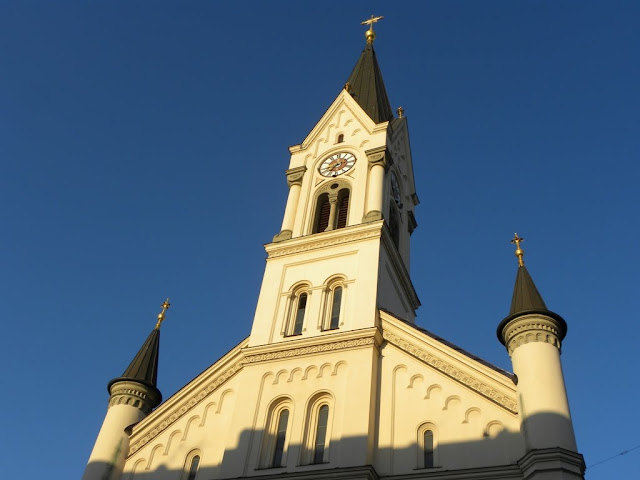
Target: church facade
{"x": 335, "y": 379}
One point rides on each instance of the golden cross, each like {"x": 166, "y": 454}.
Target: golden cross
{"x": 165, "y": 305}
{"x": 519, "y": 252}
{"x": 370, "y": 35}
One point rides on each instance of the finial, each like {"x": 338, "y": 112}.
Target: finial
{"x": 519, "y": 252}
{"x": 165, "y": 305}
{"x": 347, "y": 87}
{"x": 400, "y": 112}
{"x": 370, "y": 34}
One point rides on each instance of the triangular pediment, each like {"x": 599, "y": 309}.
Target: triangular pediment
{"x": 474, "y": 374}
{"x": 188, "y": 398}
{"x": 343, "y": 110}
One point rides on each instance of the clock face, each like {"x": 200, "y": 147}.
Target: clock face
{"x": 337, "y": 164}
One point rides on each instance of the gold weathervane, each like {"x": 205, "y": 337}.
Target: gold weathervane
{"x": 370, "y": 34}
{"x": 165, "y": 305}
{"x": 519, "y": 252}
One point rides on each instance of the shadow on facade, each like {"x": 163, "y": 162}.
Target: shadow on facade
{"x": 503, "y": 455}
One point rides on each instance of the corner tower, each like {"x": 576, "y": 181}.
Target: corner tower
{"x": 533, "y": 336}
{"x": 343, "y": 251}
{"x": 132, "y": 397}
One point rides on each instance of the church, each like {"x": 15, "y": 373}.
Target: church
{"x": 335, "y": 379}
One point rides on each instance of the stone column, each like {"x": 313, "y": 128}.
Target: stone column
{"x": 129, "y": 403}
{"x": 294, "y": 180}
{"x": 378, "y": 161}
{"x": 333, "y": 202}
{"x": 533, "y": 341}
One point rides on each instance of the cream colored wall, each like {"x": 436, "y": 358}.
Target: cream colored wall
{"x": 109, "y": 452}
{"x": 425, "y": 381}
{"x": 228, "y": 423}
{"x": 350, "y": 253}
{"x": 380, "y": 394}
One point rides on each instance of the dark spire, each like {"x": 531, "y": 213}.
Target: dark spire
{"x": 144, "y": 366}
{"x": 525, "y": 294}
{"x": 527, "y": 300}
{"x": 367, "y": 88}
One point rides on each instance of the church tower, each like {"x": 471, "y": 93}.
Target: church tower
{"x": 533, "y": 336}
{"x": 132, "y": 397}
{"x": 335, "y": 379}
{"x": 343, "y": 250}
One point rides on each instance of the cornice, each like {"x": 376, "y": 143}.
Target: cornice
{"x": 332, "y": 238}
{"x": 531, "y": 328}
{"x": 312, "y": 346}
{"x": 453, "y": 372}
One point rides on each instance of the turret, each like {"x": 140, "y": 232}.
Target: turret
{"x": 132, "y": 397}
{"x": 533, "y": 336}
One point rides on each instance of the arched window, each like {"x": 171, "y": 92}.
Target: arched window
{"x": 340, "y": 138}
{"x": 274, "y": 443}
{"x": 281, "y": 436}
{"x": 317, "y": 430}
{"x": 321, "y": 434}
{"x": 394, "y": 224}
{"x": 343, "y": 208}
{"x": 335, "y": 306}
{"x": 427, "y": 449}
{"x": 332, "y": 208}
{"x": 191, "y": 466}
{"x": 426, "y": 446}
{"x": 300, "y": 309}
{"x": 323, "y": 210}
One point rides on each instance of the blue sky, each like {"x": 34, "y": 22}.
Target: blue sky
{"x": 142, "y": 151}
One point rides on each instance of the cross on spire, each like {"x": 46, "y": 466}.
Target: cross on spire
{"x": 370, "y": 34}
{"x": 165, "y": 306}
{"x": 519, "y": 252}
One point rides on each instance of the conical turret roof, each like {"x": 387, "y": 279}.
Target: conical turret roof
{"x": 367, "y": 87}
{"x": 144, "y": 366}
{"x": 526, "y": 300}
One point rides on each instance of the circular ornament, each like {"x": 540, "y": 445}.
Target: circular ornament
{"x": 337, "y": 164}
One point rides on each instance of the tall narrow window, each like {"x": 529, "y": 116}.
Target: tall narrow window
{"x": 427, "y": 449}
{"x": 340, "y": 138}
{"x": 193, "y": 469}
{"x": 343, "y": 208}
{"x": 336, "y": 302}
{"x": 323, "y": 211}
{"x": 321, "y": 434}
{"x": 281, "y": 435}
{"x": 300, "y": 309}
{"x": 394, "y": 225}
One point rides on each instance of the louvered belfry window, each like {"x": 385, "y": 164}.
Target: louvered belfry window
{"x": 324, "y": 209}
{"x": 343, "y": 208}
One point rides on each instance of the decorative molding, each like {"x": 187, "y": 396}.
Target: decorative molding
{"x": 311, "y": 349}
{"x": 282, "y": 236}
{"x": 135, "y": 394}
{"x": 294, "y": 175}
{"x": 379, "y": 156}
{"x": 372, "y": 216}
{"x": 529, "y": 329}
{"x": 186, "y": 406}
{"x": 338, "y": 238}
{"x": 198, "y": 396}
{"x": 453, "y": 372}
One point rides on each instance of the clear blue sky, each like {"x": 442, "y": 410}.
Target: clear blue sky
{"x": 142, "y": 151}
